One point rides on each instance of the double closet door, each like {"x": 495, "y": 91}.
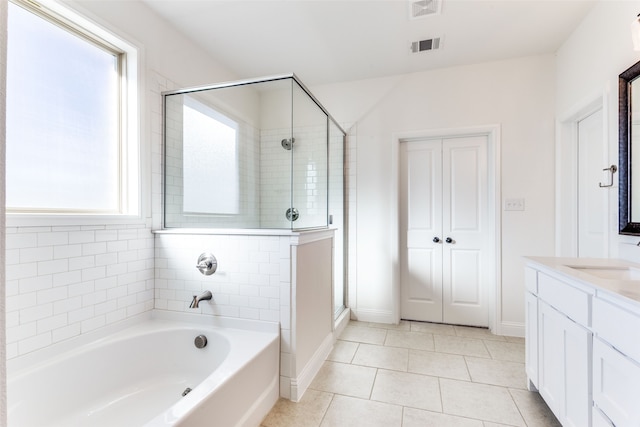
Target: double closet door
{"x": 443, "y": 230}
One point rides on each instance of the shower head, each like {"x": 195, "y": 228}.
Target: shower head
{"x": 287, "y": 143}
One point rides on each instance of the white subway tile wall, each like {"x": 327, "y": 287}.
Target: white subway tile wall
{"x": 253, "y": 279}
{"x": 65, "y": 281}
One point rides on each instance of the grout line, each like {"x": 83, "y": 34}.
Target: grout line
{"x": 327, "y": 409}
{"x": 373, "y": 384}
{"x": 516, "y": 405}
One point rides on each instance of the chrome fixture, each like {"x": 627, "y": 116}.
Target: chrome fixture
{"x": 612, "y": 169}
{"x": 292, "y": 214}
{"x": 207, "y": 264}
{"x": 287, "y": 143}
{"x": 205, "y": 296}
{"x": 186, "y": 391}
{"x": 200, "y": 341}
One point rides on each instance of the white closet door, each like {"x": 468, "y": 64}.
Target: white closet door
{"x": 443, "y": 197}
{"x": 420, "y": 224}
{"x": 464, "y": 225}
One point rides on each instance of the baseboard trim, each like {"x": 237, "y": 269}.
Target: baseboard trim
{"x": 300, "y": 383}
{"x": 375, "y": 316}
{"x": 511, "y": 329}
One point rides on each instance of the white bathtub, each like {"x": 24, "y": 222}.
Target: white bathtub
{"x": 135, "y": 375}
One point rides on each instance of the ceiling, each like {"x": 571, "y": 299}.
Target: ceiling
{"x": 328, "y": 41}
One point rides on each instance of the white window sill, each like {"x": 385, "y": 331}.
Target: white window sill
{"x": 62, "y": 220}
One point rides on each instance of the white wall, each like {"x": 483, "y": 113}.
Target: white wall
{"x": 3, "y": 71}
{"x": 588, "y": 65}
{"x": 516, "y": 94}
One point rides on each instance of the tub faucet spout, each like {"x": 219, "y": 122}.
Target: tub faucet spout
{"x": 206, "y": 295}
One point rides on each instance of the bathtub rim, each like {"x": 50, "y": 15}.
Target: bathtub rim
{"x": 18, "y": 365}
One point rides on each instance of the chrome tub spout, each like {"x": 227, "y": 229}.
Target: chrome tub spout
{"x": 206, "y": 295}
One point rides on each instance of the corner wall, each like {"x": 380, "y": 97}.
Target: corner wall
{"x": 516, "y": 94}
{"x": 588, "y": 65}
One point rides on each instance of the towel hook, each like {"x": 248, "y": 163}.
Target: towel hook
{"x": 613, "y": 169}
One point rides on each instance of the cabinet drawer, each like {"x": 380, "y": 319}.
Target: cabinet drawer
{"x": 618, "y": 327}
{"x": 571, "y": 301}
{"x": 616, "y": 385}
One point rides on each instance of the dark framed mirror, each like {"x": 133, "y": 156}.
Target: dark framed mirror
{"x": 629, "y": 150}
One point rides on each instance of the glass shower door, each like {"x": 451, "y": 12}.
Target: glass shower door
{"x": 309, "y": 182}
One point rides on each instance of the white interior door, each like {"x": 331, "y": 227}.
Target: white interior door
{"x": 592, "y": 238}
{"x": 421, "y": 230}
{"x": 464, "y": 230}
{"x": 443, "y": 230}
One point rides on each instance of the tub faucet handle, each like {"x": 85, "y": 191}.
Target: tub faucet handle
{"x": 207, "y": 264}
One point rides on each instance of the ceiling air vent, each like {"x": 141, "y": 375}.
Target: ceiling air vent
{"x": 425, "y": 45}
{"x": 424, "y": 8}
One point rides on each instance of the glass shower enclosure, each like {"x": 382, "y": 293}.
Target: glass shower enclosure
{"x": 254, "y": 154}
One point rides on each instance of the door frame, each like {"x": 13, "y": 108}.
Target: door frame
{"x": 567, "y": 174}
{"x": 492, "y": 132}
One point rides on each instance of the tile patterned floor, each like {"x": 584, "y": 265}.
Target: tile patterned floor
{"x": 418, "y": 375}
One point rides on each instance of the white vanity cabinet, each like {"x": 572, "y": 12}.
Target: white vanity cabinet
{"x": 583, "y": 340}
{"x": 562, "y": 341}
{"x": 616, "y": 362}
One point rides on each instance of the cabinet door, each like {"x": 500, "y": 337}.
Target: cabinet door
{"x": 531, "y": 341}
{"x": 600, "y": 420}
{"x": 564, "y": 366}
{"x": 616, "y": 385}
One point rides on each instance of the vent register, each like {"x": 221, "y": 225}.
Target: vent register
{"x": 422, "y": 9}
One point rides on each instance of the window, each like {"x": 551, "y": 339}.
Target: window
{"x": 210, "y": 161}
{"x": 71, "y": 134}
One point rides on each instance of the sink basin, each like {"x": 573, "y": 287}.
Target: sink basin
{"x": 611, "y": 273}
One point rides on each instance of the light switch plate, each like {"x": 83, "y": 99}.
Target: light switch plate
{"x": 514, "y": 204}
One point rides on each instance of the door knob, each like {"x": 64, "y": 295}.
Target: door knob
{"x": 448, "y": 240}
{"x": 436, "y": 239}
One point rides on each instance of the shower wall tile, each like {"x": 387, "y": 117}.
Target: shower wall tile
{"x": 252, "y": 280}
{"x": 65, "y": 281}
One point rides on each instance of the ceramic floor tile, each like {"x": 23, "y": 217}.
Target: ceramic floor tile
{"x": 407, "y": 339}
{"x": 363, "y": 334}
{"x": 534, "y": 410}
{"x": 419, "y": 418}
{"x": 497, "y": 372}
{"x": 378, "y": 356}
{"x": 479, "y": 401}
{"x": 510, "y": 351}
{"x": 479, "y": 333}
{"x": 460, "y": 345}
{"x": 438, "y": 364}
{"x": 343, "y": 351}
{"x": 348, "y": 411}
{"x": 413, "y": 390}
{"x": 345, "y": 379}
{"x": 306, "y": 413}
{"x": 432, "y": 328}
{"x": 515, "y": 339}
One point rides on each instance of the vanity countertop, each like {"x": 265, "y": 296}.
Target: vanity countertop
{"x": 608, "y": 275}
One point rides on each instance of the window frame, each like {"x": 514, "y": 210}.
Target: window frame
{"x": 130, "y": 205}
